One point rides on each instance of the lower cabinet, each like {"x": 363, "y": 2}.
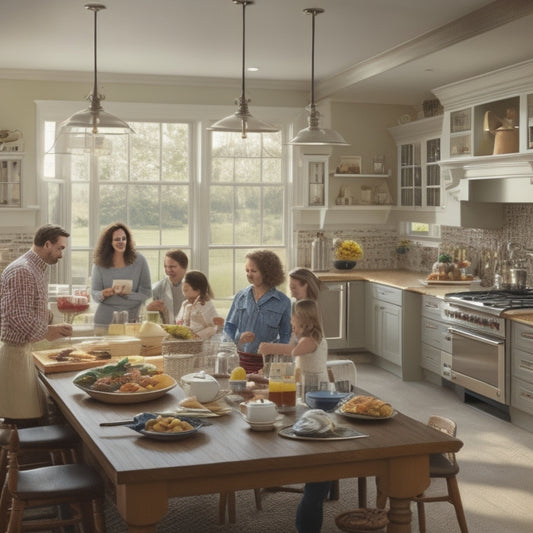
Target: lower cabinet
{"x": 522, "y": 367}
{"x": 384, "y": 313}
{"x": 393, "y": 328}
{"x": 436, "y": 343}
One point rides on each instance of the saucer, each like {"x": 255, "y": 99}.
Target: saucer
{"x": 262, "y": 426}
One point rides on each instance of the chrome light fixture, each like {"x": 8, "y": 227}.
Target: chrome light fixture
{"x": 242, "y": 120}
{"x": 85, "y": 130}
{"x": 313, "y": 135}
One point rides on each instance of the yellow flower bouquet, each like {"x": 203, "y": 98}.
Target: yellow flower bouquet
{"x": 347, "y": 250}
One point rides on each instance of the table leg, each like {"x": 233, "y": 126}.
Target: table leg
{"x": 404, "y": 478}
{"x": 142, "y": 505}
{"x": 399, "y": 516}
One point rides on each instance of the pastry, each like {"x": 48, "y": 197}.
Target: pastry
{"x": 367, "y": 405}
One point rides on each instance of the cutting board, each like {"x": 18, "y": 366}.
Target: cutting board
{"x": 118, "y": 349}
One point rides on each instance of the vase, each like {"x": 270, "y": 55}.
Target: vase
{"x": 344, "y": 265}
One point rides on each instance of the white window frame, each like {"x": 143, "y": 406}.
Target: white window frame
{"x": 200, "y": 117}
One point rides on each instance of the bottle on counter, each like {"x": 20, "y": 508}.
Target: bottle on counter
{"x": 320, "y": 253}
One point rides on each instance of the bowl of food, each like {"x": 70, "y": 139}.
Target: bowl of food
{"x": 324, "y": 399}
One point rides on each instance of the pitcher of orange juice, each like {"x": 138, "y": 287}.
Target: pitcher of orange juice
{"x": 282, "y": 386}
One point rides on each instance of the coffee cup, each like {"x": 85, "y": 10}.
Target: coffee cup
{"x": 259, "y": 411}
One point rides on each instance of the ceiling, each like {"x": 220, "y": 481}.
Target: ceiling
{"x": 384, "y": 51}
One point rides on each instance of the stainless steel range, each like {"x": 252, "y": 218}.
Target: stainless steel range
{"x": 479, "y": 340}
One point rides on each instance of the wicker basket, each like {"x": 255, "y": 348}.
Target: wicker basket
{"x": 178, "y": 365}
{"x": 170, "y": 345}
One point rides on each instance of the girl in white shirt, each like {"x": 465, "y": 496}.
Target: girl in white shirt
{"x": 198, "y": 312}
{"x": 308, "y": 345}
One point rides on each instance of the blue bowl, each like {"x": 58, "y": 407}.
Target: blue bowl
{"x": 324, "y": 399}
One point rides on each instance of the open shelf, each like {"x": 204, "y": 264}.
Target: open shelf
{"x": 362, "y": 175}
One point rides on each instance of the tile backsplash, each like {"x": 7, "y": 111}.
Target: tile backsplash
{"x": 484, "y": 248}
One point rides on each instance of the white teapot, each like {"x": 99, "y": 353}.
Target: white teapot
{"x": 201, "y": 385}
{"x": 259, "y": 411}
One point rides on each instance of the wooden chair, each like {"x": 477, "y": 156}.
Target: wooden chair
{"x": 76, "y": 487}
{"x": 443, "y": 466}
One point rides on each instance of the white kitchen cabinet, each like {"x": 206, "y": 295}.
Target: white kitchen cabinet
{"x": 435, "y": 352}
{"x": 343, "y": 314}
{"x": 522, "y": 368}
{"x": 419, "y": 181}
{"x": 393, "y": 329}
{"x": 10, "y": 179}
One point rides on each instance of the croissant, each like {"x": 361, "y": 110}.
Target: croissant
{"x": 367, "y": 405}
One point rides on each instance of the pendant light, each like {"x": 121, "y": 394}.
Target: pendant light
{"x": 313, "y": 135}
{"x": 242, "y": 120}
{"x": 85, "y": 130}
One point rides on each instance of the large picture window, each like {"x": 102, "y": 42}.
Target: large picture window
{"x": 214, "y": 195}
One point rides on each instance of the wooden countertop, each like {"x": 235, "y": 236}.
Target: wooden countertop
{"x": 412, "y": 281}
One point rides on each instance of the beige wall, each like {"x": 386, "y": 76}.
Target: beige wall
{"x": 363, "y": 125}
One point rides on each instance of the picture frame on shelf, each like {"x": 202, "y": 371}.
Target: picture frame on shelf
{"x": 315, "y": 180}
{"x": 378, "y": 164}
{"x": 350, "y": 164}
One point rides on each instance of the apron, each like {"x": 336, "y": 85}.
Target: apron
{"x": 21, "y": 394}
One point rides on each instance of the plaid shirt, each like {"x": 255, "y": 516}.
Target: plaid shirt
{"x": 24, "y": 300}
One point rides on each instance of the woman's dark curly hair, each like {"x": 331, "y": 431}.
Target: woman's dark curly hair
{"x": 103, "y": 253}
{"x": 269, "y": 264}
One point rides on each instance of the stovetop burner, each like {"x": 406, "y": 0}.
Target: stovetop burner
{"x": 497, "y": 300}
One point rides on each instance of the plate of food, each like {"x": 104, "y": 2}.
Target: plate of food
{"x": 124, "y": 382}
{"x": 163, "y": 427}
{"x": 366, "y": 408}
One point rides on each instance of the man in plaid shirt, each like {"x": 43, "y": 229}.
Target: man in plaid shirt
{"x": 24, "y": 319}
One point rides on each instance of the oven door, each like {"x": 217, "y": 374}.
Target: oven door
{"x": 478, "y": 363}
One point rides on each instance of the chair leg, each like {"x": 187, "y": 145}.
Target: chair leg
{"x": 421, "y": 516}
{"x": 258, "y": 503}
{"x": 232, "y": 515}
{"x": 5, "y": 501}
{"x": 455, "y": 497}
{"x": 361, "y": 491}
{"x": 15, "y": 518}
{"x": 334, "y": 491}
{"x": 222, "y": 502}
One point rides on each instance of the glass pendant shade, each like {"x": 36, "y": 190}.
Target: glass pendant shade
{"x": 314, "y": 135}
{"x": 242, "y": 121}
{"x": 84, "y": 131}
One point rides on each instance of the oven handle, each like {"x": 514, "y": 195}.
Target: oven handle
{"x": 470, "y": 335}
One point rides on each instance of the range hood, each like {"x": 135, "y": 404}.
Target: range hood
{"x": 505, "y": 178}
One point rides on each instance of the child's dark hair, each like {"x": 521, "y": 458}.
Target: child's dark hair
{"x": 198, "y": 282}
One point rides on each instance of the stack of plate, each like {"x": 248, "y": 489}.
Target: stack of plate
{"x": 251, "y": 362}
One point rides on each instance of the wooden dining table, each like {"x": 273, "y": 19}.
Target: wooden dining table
{"x": 228, "y": 456}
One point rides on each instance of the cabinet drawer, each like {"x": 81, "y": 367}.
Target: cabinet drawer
{"x": 432, "y": 307}
{"x": 387, "y": 294}
{"x": 522, "y": 337}
{"x": 522, "y": 365}
{"x": 522, "y": 395}
{"x": 431, "y": 358}
{"x": 436, "y": 334}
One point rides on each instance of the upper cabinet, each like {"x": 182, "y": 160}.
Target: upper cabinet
{"x": 419, "y": 182}
{"x": 10, "y": 174}
{"x": 488, "y": 135}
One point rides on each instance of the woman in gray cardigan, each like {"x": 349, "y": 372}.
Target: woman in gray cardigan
{"x": 115, "y": 259}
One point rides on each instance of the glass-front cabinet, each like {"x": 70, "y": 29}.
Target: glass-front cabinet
{"x": 10, "y": 175}
{"x": 419, "y": 183}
